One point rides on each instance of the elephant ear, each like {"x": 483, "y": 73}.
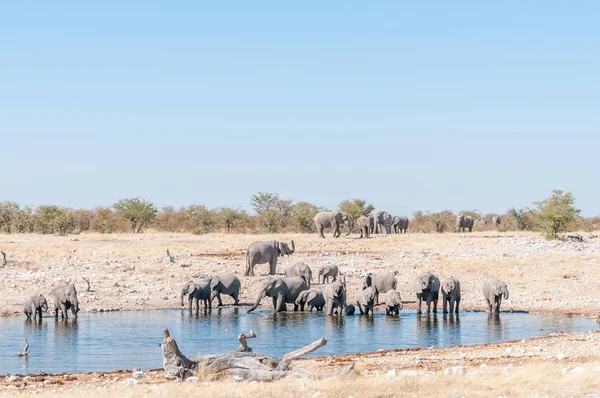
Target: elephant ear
{"x": 434, "y": 283}
{"x": 191, "y": 288}
{"x": 214, "y": 281}
{"x": 311, "y": 295}
{"x": 417, "y": 287}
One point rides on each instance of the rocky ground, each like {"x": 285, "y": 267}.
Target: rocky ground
{"x": 129, "y": 272}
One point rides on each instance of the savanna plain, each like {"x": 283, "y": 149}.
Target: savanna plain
{"x": 129, "y": 272}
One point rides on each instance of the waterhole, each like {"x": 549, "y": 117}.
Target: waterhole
{"x": 99, "y": 342}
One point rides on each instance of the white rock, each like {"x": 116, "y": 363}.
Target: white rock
{"x": 409, "y": 373}
{"x": 595, "y": 369}
{"x": 456, "y": 370}
{"x": 192, "y": 379}
{"x": 13, "y": 378}
{"x": 131, "y": 382}
{"x": 138, "y": 374}
{"x": 560, "y": 356}
{"x": 391, "y": 373}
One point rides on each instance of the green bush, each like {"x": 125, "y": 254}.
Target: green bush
{"x": 231, "y": 218}
{"x": 139, "y": 212}
{"x": 54, "y": 220}
{"x": 8, "y": 211}
{"x": 201, "y": 220}
{"x": 557, "y": 214}
{"x": 303, "y": 214}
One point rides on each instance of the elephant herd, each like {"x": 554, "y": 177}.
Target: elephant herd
{"x": 380, "y": 222}
{"x": 65, "y": 298}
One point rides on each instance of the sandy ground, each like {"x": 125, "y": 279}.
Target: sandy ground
{"x": 128, "y": 272}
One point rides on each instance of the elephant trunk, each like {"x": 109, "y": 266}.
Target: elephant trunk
{"x": 293, "y": 249}
{"x": 257, "y": 302}
{"x": 505, "y": 294}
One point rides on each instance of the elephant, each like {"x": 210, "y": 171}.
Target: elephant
{"x": 382, "y": 220}
{"x": 393, "y": 302}
{"x": 283, "y": 290}
{"x": 364, "y": 224}
{"x": 262, "y": 252}
{"x": 34, "y": 305}
{"x": 463, "y": 222}
{"x": 451, "y": 294}
{"x": 496, "y": 221}
{"x": 366, "y": 300}
{"x": 65, "y": 297}
{"x": 330, "y": 219}
{"x": 314, "y": 298}
{"x": 227, "y": 284}
{"x": 299, "y": 269}
{"x": 494, "y": 290}
{"x": 427, "y": 287}
{"x": 335, "y": 296}
{"x": 327, "y": 271}
{"x": 197, "y": 291}
{"x": 381, "y": 283}
{"x": 350, "y": 310}
{"x": 400, "y": 224}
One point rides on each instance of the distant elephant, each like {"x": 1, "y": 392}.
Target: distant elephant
{"x": 427, "y": 287}
{"x": 364, "y": 224}
{"x": 196, "y": 292}
{"x": 335, "y": 296}
{"x": 496, "y": 221}
{"x": 382, "y": 222}
{"x": 400, "y": 224}
{"x": 481, "y": 221}
{"x": 493, "y": 291}
{"x": 282, "y": 290}
{"x": 330, "y": 219}
{"x": 381, "y": 283}
{"x": 326, "y": 272}
{"x": 299, "y": 269}
{"x": 65, "y": 297}
{"x": 393, "y": 302}
{"x": 451, "y": 294}
{"x": 262, "y": 252}
{"x": 350, "y": 310}
{"x": 34, "y": 305}
{"x": 365, "y": 301}
{"x": 314, "y": 298}
{"x": 227, "y": 284}
{"x": 463, "y": 222}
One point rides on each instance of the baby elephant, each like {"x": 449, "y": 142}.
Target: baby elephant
{"x": 393, "y": 302}
{"x": 326, "y": 272}
{"x": 196, "y": 292}
{"x": 34, "y": 306}
{"x": 365, "y": 301}
{"x": 350, "y": 310}
{"x": 494, "y": 290}
{"x": 451, "y": 294}
{"x": 314, "y": 298}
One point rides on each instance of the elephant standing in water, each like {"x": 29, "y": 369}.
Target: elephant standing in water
{"x": 365, "y": 301}
{"x": 262, "y": 252}
{"x": 427, "y": 286}
{"x": 335, "y": 296}
{"x": 451, "y": 294}
{"x": 393, "y": 302}
{"x": 227, "y": 284}
{"x": 464, "y": 222}
{"x": 65, "y": 297}
{"x": 34, "y": 305}
{"x": 330, "y": 219}
{"x": 299, "y": 269}
{"x": 494, "y": 290}
{"x": 282, "y": 291}
{"x": 400, "y": 224}
{"x": 382, "y": 222}
{"x": 364, "y": 224}
{"x": 196, "y": 292}
{"x": 381, "y": 283}
{"x": 314, "y": 298}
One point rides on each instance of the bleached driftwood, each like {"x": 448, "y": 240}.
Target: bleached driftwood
{"x": 241, "y": 364}
{"x": 3, "y": 258}
{"x": 89, "y": 286}
{"x": 170, "y": 259}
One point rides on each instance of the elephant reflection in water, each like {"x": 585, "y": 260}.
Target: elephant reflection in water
{"x": 427, "y": 326}
{"x": 495, "y": 328}
{"x": 451, "y": 327}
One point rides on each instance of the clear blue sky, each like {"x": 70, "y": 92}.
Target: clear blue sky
{"x": 431, "y": 105}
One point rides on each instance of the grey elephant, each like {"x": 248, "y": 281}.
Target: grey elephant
{"x": 393, "y": 302}
{"x": 263, "y": 252}
{"x": 335, "y": 296}
{"x": 226, "y": 284}
{"x": 34, "y": 305}
{"x": 65, "y": 298}
{"x": 493, "y": 291}
{"x": 464, "y": 222}
{"x": 364, "y": 225}
{"x": 311, "y": 297}
{"x": 496, "y": 221}
{"x": 326, "y": 272}
{"x": 299, "y": 269}
{"x": 382, "y": 222}
{"x": 451, "y": 294}
{"x": 400, "y": 224}
{"x": 282, "y": 290}
{"x": 365, "y": 301}
{"x": 427, "y": 287}
{"x": 330, "y": 219}
{"x": 196, "y": 292}
{"x": 381, "y": 283}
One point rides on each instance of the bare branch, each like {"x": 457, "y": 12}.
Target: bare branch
{"x": 89, "y": 287}
{"x": 3, "y": 258}
{"x": 170, "y": 259}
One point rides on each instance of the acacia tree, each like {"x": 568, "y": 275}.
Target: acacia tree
{"x": 139, "y": 212}
{"x": 273, "y": 212}
{"x": 557, "y": 213}
{"x": 229, "y": 217}
{"x": 303, "y": 214}
{"x": 8, "y": 211}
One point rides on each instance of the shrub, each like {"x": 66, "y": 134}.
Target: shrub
{"x": 303, "y": 214}
{"x": 139, "y": 212}
{"x": 8, "y": 211}
{"x": 433, "y": 222}
{"x": 105, "y": 221}
{"x": 82, "y": 219}
{"x": 23, "y": 221}
{"x": 557, "y": 214}
{"x": 54, "y": 220}
{"x": 230, "y": 217}
{"x": 200, "y": 220}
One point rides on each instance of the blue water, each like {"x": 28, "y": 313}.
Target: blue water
{"x": 126, "y": 340}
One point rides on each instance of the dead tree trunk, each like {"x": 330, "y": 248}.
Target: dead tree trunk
{"x": 170, "y": 259}
{"x": 3, "y": 258}
{"x": 241, "y": 364}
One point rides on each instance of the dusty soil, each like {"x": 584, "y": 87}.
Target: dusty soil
{"x": 128, "y": 272}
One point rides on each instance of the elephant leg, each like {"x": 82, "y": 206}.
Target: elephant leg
{"x": 218, "y": 295}
{"x": 281, "y": 307}
{"x": 320, "y": 231}
{"x": 329, "y": 306}
{"x": 275, "y": 304}
{"x": 235, "y": 299}
{"x": 435, "y": 301}
{"x": 444, "y": 309}
{"x": 419, "y": 300}
{"x": 63, "y": 308}
{"x": 296, "y": 307}
{"x": 272, "y": 266}
{"x": 428, "y": 302}
{"x": 451, "y": 305}
{"x": 457, "y": 303}
{"x": 498, "y": 301}
{"x": 376, "y": 297}
{"x": 489, "y": 305}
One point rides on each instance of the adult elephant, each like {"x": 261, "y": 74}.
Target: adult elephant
{"x": 299, "y": 269}
{"x": 263, "y": 252}
{"x": 427, "y": 287}
{"x": 335, "y": 296}
{"x": 381, "y": 282}
{"x": 330, "y": 219}
{"x": 400, "y": 224}
{"x": 382, "y": 222}
{"x": 65, "y": 297}
{"x": 282, "y": 290}
{"x": 226, "y": 284}
{"x": 496, "y": 221}
{"x": 494, "y": 290}
{"x": 464, "y": 222}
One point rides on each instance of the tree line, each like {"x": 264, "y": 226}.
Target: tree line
{"x": 552, "y": 216}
